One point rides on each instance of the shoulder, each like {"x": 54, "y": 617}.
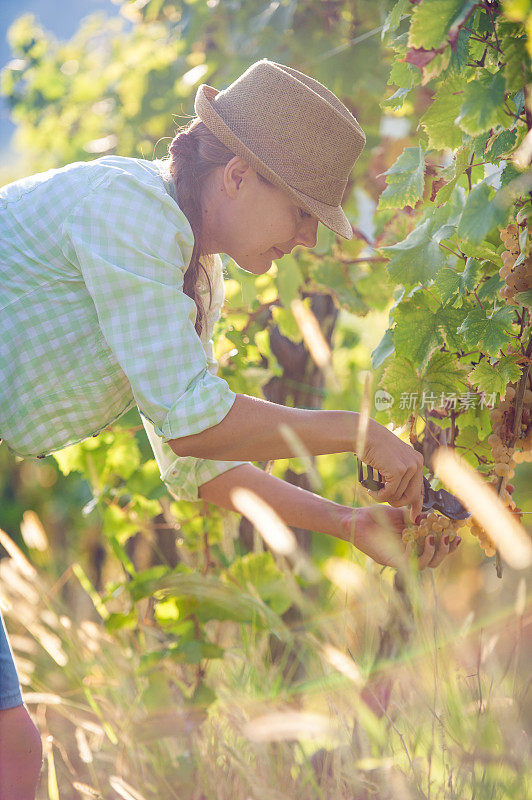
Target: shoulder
{"x": 130, "y": 201}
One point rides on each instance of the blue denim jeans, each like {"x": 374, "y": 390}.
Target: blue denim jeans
{"x": 10, "y": 691}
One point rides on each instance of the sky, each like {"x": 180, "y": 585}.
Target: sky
{"x": 57, "y": 16}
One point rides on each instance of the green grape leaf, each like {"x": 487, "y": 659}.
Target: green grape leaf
{"x": 489, "y": 290}
{"x": 494, "y": 377}
{"x": 416, "y": 259}
{"x": 144, "y": 508}
{"x": 287, "y": 324}
{"x": 469, "y": 445}
{"x": 438, "y": 120}
{"x": 117, "y": 524}
{"x": 450, "y": 320}
{"x": 411, "y": 390}
{"x": 460, "y": 54}
{"x": 70, "y": 459}
{"x": 433, "y": 20}
{"x": 483, "y": 99}
{"x": 417, "y": 334}
{"x": 123, "y": 457}
{"x": 516, "y": 59}
{"x": 501, "y": 143}
{"x": 324, "y": 243}
{"x": 471, "y": 275}
{"x": 392, "y": 101}
{"x": 288, "y": 280}
{"x": 393, "y": 18}
{"x": 402, "y": 382}
{"x": 405, "y": 180}
{"x": 487, "y": 331}
{"x": 524, "y": 298}
{"x": 403, "y": 74}
{"x": 480, "y": 251}
{"x": 384, "y": 349}
{"x": 482, "y": 213}
{"x": 448, "y": 282}
{"x": 419, "y": 331}
{"x": 146, "y": 479}
{"x": 444, "y": 373}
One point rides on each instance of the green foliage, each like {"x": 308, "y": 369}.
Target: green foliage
{"x": 405, "y": 180}
{"x": 459, "y": 74}
{"x": 476, "y": 115}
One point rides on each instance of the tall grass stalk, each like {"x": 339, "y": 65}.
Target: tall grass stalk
{"x": 277, "y": 718}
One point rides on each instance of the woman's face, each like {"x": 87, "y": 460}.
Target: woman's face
{"x": 251, "y": 221}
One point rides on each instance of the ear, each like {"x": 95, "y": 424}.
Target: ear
{"x": 236, "y": 173}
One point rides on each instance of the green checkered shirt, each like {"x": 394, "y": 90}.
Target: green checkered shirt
{"x": 94, "y": 319}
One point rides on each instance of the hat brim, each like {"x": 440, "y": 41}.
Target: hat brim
{"x": 333, "y": 217}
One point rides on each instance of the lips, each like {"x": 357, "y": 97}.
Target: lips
{"x": 279, "y": 253}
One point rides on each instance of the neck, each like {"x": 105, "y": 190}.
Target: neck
{"x": 213, "y": 220}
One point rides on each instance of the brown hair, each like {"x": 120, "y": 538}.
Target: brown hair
{"x": 194, "y": 153}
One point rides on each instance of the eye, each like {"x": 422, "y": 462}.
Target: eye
{"x": 304, "y": 214}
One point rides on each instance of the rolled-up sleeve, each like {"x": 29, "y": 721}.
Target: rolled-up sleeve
{"x": 132, "y": 243}
{"x": 183, "y": 475}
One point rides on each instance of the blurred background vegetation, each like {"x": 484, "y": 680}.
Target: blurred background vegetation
{"x": 121, "y": 82}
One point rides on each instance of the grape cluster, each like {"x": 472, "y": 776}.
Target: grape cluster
{"x": 508, "y": 448}
{"x": 503, "y": 446}
{"x": 523, "y": 445}
{"x": 433, "y": 525}
{"x": 506, "y": 451}
{"x": 517, "y": 278}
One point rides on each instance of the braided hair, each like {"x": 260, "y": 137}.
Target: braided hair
{"x": 194, "y": 152}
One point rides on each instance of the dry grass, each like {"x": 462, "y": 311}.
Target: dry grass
{"x": 302, "y": 720}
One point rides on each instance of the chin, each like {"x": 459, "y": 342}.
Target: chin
{"x": 256, "y": 266}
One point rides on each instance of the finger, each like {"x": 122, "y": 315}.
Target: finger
{"x": 388, "y": 493}
{"x": 414, "y": 493}
{"x": 441, "y": 552}
{"x": 403, "y": 483}
{"x": 398, "y": 495}
{"x": 455, "y": 543}
{"x": 427, "y": 554}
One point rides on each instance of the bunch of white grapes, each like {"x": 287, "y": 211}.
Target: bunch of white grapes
{"x": 517, "y": 278}
{"x": 506, "y": 451}
{"x": 434, "y": 524}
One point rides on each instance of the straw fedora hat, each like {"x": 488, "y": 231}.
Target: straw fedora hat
{"x": 292, "y": 130}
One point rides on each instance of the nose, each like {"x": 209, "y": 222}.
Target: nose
{"x": 307, "y": 234}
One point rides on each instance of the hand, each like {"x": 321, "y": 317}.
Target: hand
{"x": 377, "y": 532}
{"x": 400, "y": 466}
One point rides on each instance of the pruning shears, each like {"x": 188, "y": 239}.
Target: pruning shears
{"x": 440, "y": 500}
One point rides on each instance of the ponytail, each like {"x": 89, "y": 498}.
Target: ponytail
{"x": 193, "y": 154}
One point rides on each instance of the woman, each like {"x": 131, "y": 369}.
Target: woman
{"x": 106, "y": 304}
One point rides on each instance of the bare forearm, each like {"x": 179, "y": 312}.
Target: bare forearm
{"x": 251, "y": 431}
{"x": 296, "y": 507}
